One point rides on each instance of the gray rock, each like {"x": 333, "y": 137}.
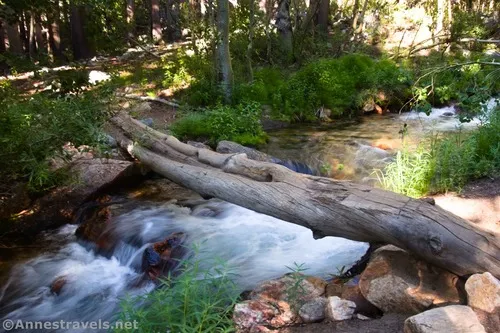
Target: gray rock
{"x": 314, "y": 310}
{"x": 110, "y": 141}
{"x": 339, "y": 309}
{"x": 449, "y": 319}
{"x": 147, "y": 121}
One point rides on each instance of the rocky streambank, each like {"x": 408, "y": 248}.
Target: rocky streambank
{"x": 395, "y": 292}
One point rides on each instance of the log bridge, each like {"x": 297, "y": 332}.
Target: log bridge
{"x": 326, "y": 206}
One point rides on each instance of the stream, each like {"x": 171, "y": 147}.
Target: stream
{"x": 255, "y": 247}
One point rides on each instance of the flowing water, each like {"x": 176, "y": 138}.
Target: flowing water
{"x": 352, "y": 149}
{"x": 256, "y": 247}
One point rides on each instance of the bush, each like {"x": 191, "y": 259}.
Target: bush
{"x": 35, "y": 130}
{"x": 446, "y": 164}
{"x": 341, "y": 85}
{"x": 196, "y": 301}
{"x": 240, "y": 124}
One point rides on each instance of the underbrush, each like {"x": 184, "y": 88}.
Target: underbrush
{"x": 240, "y": 123}
{"x": 197, "y": 300}
{"x": 446, "y": 164}
{"x": 342, "y": 85}
{"x": 35, "y": 129}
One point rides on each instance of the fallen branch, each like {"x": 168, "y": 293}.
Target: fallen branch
{"x": 150, "y": 99}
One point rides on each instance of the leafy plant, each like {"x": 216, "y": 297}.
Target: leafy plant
{"x": 197, "y": 300}
{"x": 296, "y": 291}
{"x": 35, "y": 130}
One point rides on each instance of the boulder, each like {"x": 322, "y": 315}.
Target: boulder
{"x": 60, "y": 206}
{"x": 483, "y": 295}
{"x": 163, "y": 257}
{"x": 395, "y": 281}
{"x": 449, "y": 319}
{"x": 313, "y": 311}
{"x": 353, "y": 293}
{"x": 339, "y": 309}
{"x": 483, "y": 292}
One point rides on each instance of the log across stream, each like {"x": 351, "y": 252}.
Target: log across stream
{"x": 256, "y": 246}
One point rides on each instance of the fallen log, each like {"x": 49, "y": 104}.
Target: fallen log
{"x": 326, "y": 206}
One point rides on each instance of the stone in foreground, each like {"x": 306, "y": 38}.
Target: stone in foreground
{"x": 397, "y": 282}
{"x": 313, "y": 311}
{"x": 449, "y": 319}
{"x": 339, "y": 309}
{"x": 483, "y": 292}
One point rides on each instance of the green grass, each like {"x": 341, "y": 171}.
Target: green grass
{"x": 198, "y": 300}
{"x": 446, "y": 164}
{"x": 240, "y": 124}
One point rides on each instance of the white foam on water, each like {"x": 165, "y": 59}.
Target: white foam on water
{"x": 254, "y": 246}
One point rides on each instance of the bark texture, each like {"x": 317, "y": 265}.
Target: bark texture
{"x": 225, "y": 70}
{"x": 326, "y": 206}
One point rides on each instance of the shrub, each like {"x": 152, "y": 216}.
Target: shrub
{"x": 240, "y": 123}
{"x": 196, "y": 301}
{"x": 341, "y": 85}
{"x": 35, "y": 130}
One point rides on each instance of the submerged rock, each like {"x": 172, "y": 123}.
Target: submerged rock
{"x": 163, "y": 257}
{"x": 395, "y": 281}
{"x": 57, "y": 285}
{"x": 449, "y": 319}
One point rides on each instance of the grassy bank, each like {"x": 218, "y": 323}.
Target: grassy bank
{"x": 446, "y": 163}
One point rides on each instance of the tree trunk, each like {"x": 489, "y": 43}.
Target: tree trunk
{"x": 78, "y": 40}
{"x": 269, "y": 8}
{"x": 24, "y": 33}
{"x": 54, "y": 33}
{"x": 224, "y": 68}
{"x": 31, "y": 33}
{"x": 156, "y": 33}
{"x": 284, "y": 27}
{"x": 2, "y": 37}
{"x": 40, "y": 43}
{"x": 326, "y": 206}
{"x": 355, "y": 15}
{"x": 323, "y": 15}
{"x": 15, "y": 44}
{"x": 251, "y": 24}
{"x": 131, "y": 18}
